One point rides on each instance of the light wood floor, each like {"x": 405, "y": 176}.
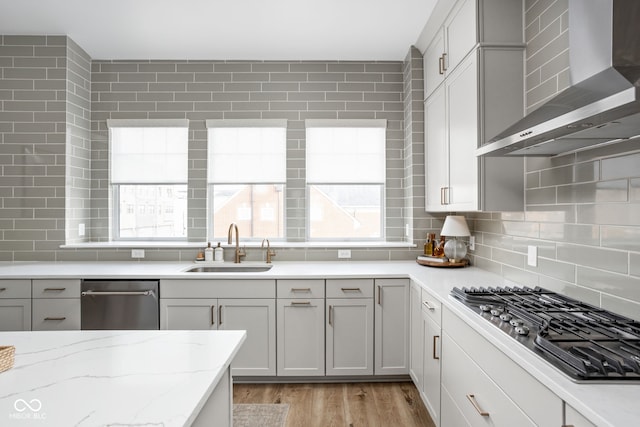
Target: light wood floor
{"x": 348, "y": 405}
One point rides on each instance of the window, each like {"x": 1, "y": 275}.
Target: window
{"x": 148, "y": 176}
{"x": 246, "y": 176}
{"x": 345, "y": 179}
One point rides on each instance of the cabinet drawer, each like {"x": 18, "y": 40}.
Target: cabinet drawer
{"x": 300, "y": 289}
{"x": 218, "y": 288}
{"x": 432, "y": 307}
{"x": 350, "y": 288}
{"x": 477, "y": 398}
{"x": 521, "y": 387}
{"x": 15, "y": 289}
{"x": 56, "y": 289}
{"x": 56, "y": 314}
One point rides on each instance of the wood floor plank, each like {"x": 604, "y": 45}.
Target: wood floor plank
{"x": 342, "y": 404}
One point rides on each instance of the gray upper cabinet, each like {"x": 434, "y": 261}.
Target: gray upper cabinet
{"x": 473, "y": 90}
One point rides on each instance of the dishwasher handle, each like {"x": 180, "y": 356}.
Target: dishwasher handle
{"x": 109, "y": 293}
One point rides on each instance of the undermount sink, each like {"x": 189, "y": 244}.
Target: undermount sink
{"x": 233, "y": 268}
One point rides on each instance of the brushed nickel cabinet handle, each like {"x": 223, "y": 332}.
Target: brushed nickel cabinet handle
{"x": 442, "y": 195}
{"x": 428, "y": 305}
{"x": 447, "y": 195}
{"x": 472, "y": 399}
{"x": 568, "y": 425}
{"x": 3, "y": 289}
{"x": 54, "y": 289}
{"x": 300, "y": 303}
{"x": 330, "y": 315}
{"x": 441, "y": 65}
{"x": 213, "y": 314}
{"x": 351, "y": 290}
{"x": 379, "y": 295}
{"x": 444, "y": 62}
{"x": 300, "y": 289}
{"x": 54, "y": 318}
{"x": 435, "y": 344}
{"x": 220, "y": 315}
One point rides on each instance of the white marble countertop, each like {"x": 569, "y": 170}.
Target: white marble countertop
{"x": 604, "y": 404}
{"x": 97, "y": 378}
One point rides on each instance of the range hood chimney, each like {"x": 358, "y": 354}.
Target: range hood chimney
{"x": 602, "y": 105}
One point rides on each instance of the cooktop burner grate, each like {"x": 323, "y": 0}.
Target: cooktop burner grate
{"x": 584, "y": 341}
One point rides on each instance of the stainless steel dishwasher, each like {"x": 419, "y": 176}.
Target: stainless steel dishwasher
{"x": 119, "y": 304}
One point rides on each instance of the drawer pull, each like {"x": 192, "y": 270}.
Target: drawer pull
{"x": 379, "y": 295}
{"x": 428, "y": 305}
{"x": 330, "y": 315}
{"x": 441, "y": 65}
{"x": 444, "y": 62}
{"x": 300, "y": 289}
{"x": 351, "y": 290}
{"x": 213, "y": 314}
{"x": 3, "y": 289}
{"x": 300, "y": 303}
{"x": 220, "y": 315}
{"x": 55, "y": 318}
{"x": 472, "y": 399}
{"x": 435, "y": 343}
{"x": 568, "y": 425}
{"x": 54, "y": 289}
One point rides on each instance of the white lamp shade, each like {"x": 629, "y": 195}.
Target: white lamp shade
{"x": 454, "y": 226}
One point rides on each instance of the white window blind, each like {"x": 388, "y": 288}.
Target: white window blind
{"x": 345, "y": 151}
{"x": 241, "y": 151}
{"x": 153, "y": 151}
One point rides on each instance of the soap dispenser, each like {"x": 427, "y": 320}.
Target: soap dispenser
{"x": 208, "y": 253}
{"x": 218, "y": 255}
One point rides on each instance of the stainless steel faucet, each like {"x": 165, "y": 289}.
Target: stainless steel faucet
{"x": 270, "y": 253}
{"x": 239, "y": 252}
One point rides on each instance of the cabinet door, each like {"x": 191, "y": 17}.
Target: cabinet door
{"x": 417, "y": 337}
{"x": 431, "y": 366}
{"x": 15, "y": 314}
{"x": 433, "y": 64}
{"x": 435, "y": 151}
{"x": 460, "y": 33}
{"x": 257, "y": 356}
{"x": 574, "y": 418}
{"x": 56, "y": 314}
{"x": 391, "y": 327}
{"x": 462, "y": 97}
{"x": 349, "y": 336}
{"x": 188, "y": 314}
{"x": 300, "y": 337}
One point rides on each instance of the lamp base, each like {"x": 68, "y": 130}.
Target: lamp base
{"x": 455, "y": 250}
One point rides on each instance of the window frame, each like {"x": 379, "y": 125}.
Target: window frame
{"x": 114, "y": 188}
{"x": 347, "y": 123}
{"x": 247, "y": 123}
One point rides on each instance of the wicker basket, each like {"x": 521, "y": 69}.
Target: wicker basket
{"x": 6, "y": 357}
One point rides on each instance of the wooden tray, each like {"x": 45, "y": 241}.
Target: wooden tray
{"x": 6, "y": 357}
{"x": 462, "y": 263}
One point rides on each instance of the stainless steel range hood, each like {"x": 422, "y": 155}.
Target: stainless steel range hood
{"x": 602, "y": 105}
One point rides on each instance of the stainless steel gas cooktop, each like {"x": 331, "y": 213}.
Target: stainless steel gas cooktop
{"x": 585, "y": 342}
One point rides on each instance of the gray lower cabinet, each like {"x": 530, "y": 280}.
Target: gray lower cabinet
{"x": 15, "y": 305}
{"x": 226, "y": 305}
{"x": 391, "y": 327}
{"x": 349, "y": 327}
{"x": 55, "y": 305}
{"x": 300, "y": 328}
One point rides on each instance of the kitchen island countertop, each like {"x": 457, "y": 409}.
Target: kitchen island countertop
{"x": 96, "y": 378}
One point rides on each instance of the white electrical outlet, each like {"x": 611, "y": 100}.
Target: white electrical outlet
{"x": 81, "y": 230}
{"x": 344, "y": 253}
{"x": 532, "y": 256}
{"x": 472, "y": 243}
{"x": 137, "y": 253}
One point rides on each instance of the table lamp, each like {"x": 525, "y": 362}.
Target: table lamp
{"x": 455, "y": 226}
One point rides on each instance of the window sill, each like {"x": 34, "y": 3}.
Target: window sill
{"x": 249, "y": 244}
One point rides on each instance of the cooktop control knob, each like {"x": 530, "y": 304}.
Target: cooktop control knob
{"x": 505, "y": 317}
{"x": 486, "y": 308}
{"x": 522, "y": 330}
{"x": 516, "y": 322}
{"x": 497, "y": 311}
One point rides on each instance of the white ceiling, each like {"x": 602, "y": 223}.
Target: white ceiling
{"x": 226, "y": 29}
